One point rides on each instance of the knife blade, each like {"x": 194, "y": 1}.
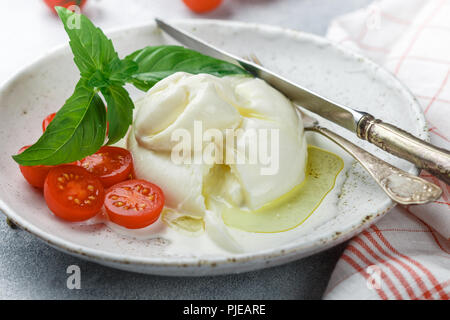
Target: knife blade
{"x": 384, "y": 135}
{"x": 335, "y": 112}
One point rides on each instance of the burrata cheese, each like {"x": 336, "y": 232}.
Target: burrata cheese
{"x": 260, "y": 118}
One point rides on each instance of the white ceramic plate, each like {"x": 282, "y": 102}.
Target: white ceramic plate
{"x": 354, "y": 204}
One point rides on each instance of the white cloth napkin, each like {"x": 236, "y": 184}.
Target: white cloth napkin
{"x": 407, "y": 254}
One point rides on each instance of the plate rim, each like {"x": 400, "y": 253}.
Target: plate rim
{"x": 288, "y": 251}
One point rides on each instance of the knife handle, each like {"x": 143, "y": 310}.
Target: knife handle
{"x": 404, "y": 145}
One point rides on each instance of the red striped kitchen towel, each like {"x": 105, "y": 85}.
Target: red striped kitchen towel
{"x": 406, "y": 255}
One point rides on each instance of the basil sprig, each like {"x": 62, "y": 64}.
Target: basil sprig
{"x": 80, "y": 122}
{"x": 79, "y": 127}
{"x": 156, "y": 63}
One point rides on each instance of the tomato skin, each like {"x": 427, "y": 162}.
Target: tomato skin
{"x": 47, "y": 121}
{"x": 63, "y": 3}
{"x": 35, "y": 175}
{"x": 110, "y": 164}
{"x": 134, "y": 204}
{"x": 202, "y": 6}
{"x": 72, "y": 193}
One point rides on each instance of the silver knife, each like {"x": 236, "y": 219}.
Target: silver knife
{"x": 384, "y": 135}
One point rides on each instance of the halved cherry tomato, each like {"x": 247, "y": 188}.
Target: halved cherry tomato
{"x": 72, "y": 193}
{"x": 35, "y": 175}
{"x": 201, "y": 6}
{"x": 134, "y": 204}
{"x": 47, "y": 120}
{"x": 110, "y": 164}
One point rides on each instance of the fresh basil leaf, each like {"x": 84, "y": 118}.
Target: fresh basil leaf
{"x": 92, "y": 50}
{"x": 117, "y": 73}
{"x": 78, "y": 130}
{"x": 120, "y": 71}
{"x": 120, "y": 112}
{"x": 144, "y": 81}
{"x": 98, "y": 80}
{"x": 156, "y": 63}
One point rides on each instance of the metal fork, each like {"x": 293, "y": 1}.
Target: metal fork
{"x": 401, "y": 186}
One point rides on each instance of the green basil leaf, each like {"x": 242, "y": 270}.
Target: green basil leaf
{"x": 120, "y": 112}
{"x": 78, "y": 130}
{"x": 92, "y": 50}
{"x": 158, "y": 62}
{"x": 120, "y": 71}
{"x": 117, "y": 73}
{"x": 98, "y": 79}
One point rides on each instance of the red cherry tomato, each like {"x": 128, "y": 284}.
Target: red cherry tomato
{"x": 64, "y": 3}
{"x": 72, "y": 193}
{"x": 110, "y": 164}
{"x": 202, "y": 6}
{"x": 134, "y": 204}
{"x": 35, "y": 175}
{"x": 47, "y": 120}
